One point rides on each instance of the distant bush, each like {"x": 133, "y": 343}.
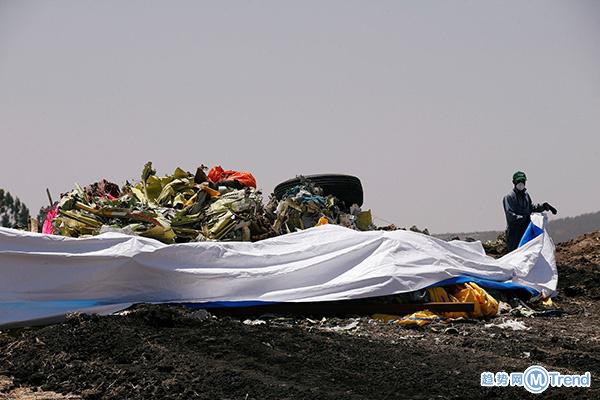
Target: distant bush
{"x": 13, "y": 212}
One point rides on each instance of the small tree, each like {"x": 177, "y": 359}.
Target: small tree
{"x": 13, "y": 212}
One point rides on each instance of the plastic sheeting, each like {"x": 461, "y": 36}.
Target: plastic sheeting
{"x": 44, "y": 275}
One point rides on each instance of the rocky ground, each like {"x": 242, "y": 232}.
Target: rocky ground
{"x": 155, "y": 352}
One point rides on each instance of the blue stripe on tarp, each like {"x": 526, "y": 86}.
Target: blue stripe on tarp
{"x": 486, "y": 284}
{"x": 55, "y": 304}
{"x": 531, "y": 233}
{"x": 30, "y": 310}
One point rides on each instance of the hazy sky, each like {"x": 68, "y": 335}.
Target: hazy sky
{"x": 433, "y": 104}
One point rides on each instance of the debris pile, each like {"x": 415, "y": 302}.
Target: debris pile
{"x": 304, "y": 206}
{"x": 496, "y": 248}
{"x": 215, "y": 205}
{"x": 175, "y": 208}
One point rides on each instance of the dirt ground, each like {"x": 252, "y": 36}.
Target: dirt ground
{"x": 156, "y": 352}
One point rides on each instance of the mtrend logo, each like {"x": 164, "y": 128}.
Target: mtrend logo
{"x": 535, "y": 379}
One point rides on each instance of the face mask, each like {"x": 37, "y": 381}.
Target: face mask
{"x": 520, "y": 186}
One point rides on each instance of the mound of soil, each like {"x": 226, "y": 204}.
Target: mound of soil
{"x": 578, "y": 263}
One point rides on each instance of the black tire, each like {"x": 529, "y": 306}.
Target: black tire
{"x": 347, "y": 188}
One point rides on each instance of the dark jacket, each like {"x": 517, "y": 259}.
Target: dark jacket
{"x": 518, "y": 203}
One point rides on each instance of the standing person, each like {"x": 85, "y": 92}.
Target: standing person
{"x": 518, "y": 208}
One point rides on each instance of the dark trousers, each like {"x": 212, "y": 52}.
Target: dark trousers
{"x": 514, "y": 233}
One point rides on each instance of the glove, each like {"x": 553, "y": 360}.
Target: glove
{"x": 548, "y": 207}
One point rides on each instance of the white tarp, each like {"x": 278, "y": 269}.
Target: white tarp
{"x": 44, "y": 275}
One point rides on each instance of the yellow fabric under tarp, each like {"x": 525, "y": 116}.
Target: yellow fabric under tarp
{"x": 548, "y": 302}
{"x": 484, "y": 305}
{"x": 439, "y": 294}
{"x": 420, "y": 318}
